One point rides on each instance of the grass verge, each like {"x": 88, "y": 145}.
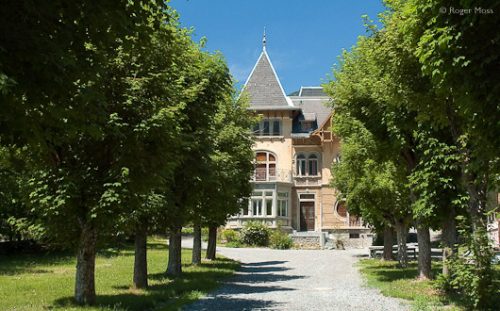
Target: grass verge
{"x": 46, "y": 281}
{"x": 402, "y": 283}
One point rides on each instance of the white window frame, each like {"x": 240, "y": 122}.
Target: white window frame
{"x": 313, "y": 157}
{"x": 302, "y": 164}
{"x": 261, "y": 197}
{"x": 301, "y": 160}
{"x": 282, "y": 204}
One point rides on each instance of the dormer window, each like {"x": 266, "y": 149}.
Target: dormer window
{"x": 307, "y": 126}
{"x": 268, "y": 127}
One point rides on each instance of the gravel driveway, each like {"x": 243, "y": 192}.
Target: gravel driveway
{"x": 295, "y": 280}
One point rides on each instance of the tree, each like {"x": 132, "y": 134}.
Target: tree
{"x": 231, "y": 164}
{"x": 459, "y": 55}
{"x": 384, "y": 81}
{"x": 151, "y": 83}
{"x": 211, "y": 77}
{"x": 79, "y": 111}
{"x": 17, "y": 221}
{"x": 371, "y": 183}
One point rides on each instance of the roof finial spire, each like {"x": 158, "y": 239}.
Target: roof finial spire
{"x": 264, "y": 39}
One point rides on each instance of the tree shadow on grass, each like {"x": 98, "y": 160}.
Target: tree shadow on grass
{"x": 389, "y": 271}
{"x": 164, "y": 292}
{"x": 30, "y": 263}
{"x": 170, "y": 293}
{"x": 393, "y": 274}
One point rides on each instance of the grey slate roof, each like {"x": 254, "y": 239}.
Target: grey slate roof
{"x": 263, "y": 86}
{"x": 316, "y": 105}
{"x": 313, "y": 91}
{"x": 309, "y": 116}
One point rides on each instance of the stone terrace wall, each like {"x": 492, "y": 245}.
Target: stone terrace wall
{"x": 306, "y": 242}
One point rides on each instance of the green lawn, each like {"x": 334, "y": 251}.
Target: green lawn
{"x": 402, "y": 283}
{"x": 46, "y": 281}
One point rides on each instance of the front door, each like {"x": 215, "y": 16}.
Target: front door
{"x": 306, "y": 216}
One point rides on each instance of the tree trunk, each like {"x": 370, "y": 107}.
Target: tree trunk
{"x": 388, "y": 241}
{"x": 174, "y": 266}
{"x": 85, "y": 266}
{"x": 449, "y": 239}
{"x": 196, "y": 245}
{"x": 402, "y": 232}
{"x": 212, "y": 242}
{"x": 140, "y": 260}
{"x": 424, "y": 251}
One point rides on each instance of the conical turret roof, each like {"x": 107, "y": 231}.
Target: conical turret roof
{"x": 264, "y": 88}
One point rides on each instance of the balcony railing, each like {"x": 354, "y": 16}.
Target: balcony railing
{"x": 274, "y": 175}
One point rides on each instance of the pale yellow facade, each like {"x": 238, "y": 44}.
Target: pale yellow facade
{"x": 294, "y": 151}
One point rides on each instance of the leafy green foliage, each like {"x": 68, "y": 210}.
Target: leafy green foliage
{"x": 255, "y": 233}
{"x": 230, "y": 162}
{"x": 124, "y": 126}
{"x": 469, "y": 278}
{"x": 371, "y": 175}
{"x": 230, "y": 235}
{"x": 17, "y": 221}
{"x": 411, "y": 98}
{"x": 280, "y": 239}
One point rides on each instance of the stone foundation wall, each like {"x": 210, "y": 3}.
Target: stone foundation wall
{"x": 306, "y": 242}
{"x": 365, "y": 239}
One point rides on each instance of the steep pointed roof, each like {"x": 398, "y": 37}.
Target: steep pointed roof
{"x": 264, "y": 87}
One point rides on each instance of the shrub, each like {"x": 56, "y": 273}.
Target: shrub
{"x": 471, "y": 274}
{"x": 255, "y": 233}
{"x": 235, "y": 244}
{"x": 280, "y": 240}
{"x": 230, "y": 235}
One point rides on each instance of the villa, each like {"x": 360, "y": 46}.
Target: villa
{"x": 294, "y": 151}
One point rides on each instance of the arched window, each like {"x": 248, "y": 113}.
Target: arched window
{"x": 313, "y": 165}
{"x": 265, "y": 166}
{"x": 301, "y": 165}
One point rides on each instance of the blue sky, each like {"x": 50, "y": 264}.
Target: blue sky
{"x": 304, "y": 37}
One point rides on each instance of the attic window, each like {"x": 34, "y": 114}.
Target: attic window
{"x": 268, "y": 127}
{"x": 276, "y": 127}
{"x": 307, "y": 126}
